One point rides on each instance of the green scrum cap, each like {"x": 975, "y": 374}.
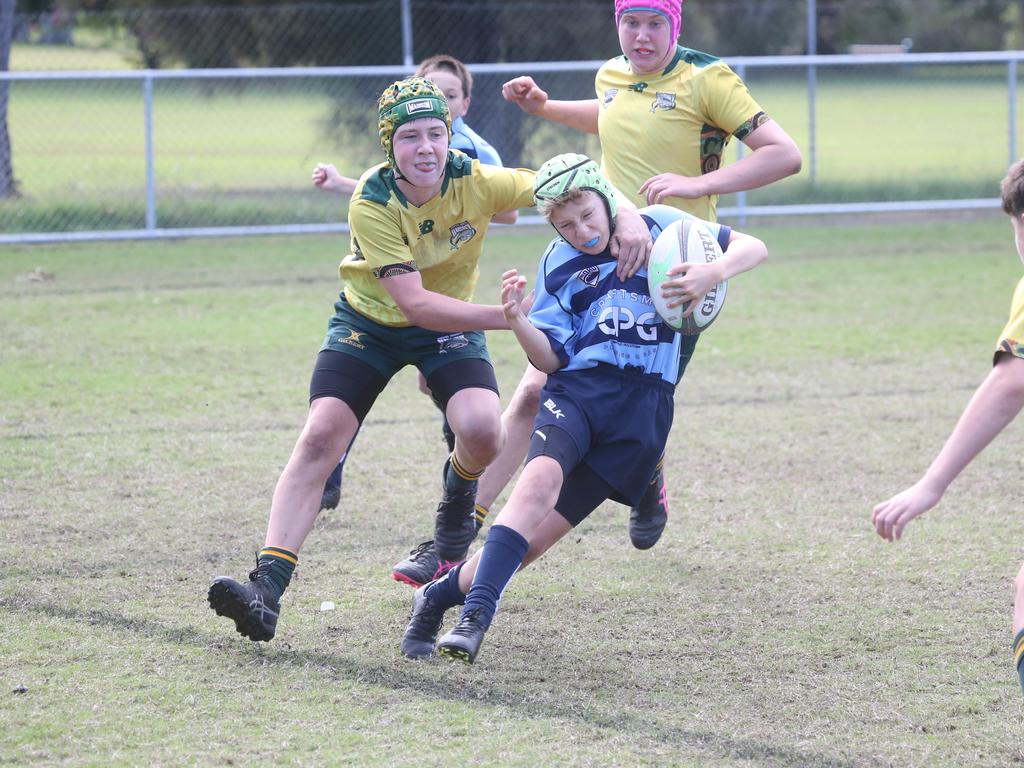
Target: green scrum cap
{"x": 406, "y": 100}
{"x": 563, "y": 173}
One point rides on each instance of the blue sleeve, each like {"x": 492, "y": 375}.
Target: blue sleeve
{"x": 663, "y": 215}
{"x": 551, "y": 313}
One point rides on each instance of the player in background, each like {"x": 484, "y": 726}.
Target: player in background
{"x": 607, "y": 401}
{"x": 664, "y": 115}
{"x": 994, "y": 405}
{"x": 456, "y": 83}
{"x": 418, "y": 222}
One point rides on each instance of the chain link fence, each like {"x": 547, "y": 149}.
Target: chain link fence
{"x": 119, "y": 136}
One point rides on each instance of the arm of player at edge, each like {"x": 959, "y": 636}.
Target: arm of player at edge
{"x": 994, "y": 405}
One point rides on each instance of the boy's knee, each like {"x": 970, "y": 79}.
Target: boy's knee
{"x": 483, "y": 440}
{"x": 320, "y": 439}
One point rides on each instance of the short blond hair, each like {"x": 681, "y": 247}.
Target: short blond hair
{"x": 1012, "y": 189}
{"x": 547, "y": 206}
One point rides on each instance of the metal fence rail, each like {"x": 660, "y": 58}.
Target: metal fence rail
{"x": 221, "y": 152}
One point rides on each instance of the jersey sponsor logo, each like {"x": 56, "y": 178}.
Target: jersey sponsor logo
{"x": 609, "y": 95}
{"x": 354, "y": 339}
{"x": 618, "y": 321}
{"x": 589, "y": 275}
{"x": 638, "y": 87}
{"x": 462, "y": 232}
{"x": 451, "y": 342}
{"x": 552, "y": 406}
{"x": 392, "y": 270}
{"x": 426, "y": 226}
{"x": 663, "y": 100}
{"x": 420, "y": 105}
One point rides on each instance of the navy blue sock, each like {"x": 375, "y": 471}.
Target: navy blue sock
{"x": 502, "y": 555}
{"x": 334, "y": 481}
{"x": 445, "y": 592}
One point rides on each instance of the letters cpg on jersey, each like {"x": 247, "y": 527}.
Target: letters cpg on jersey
{"x": 686, "y": 240}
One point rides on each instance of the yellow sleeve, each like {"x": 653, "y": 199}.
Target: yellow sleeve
{"x": 725, "y": 100}
{"x": 377, "y": 236}
{"x": 505, "y": 188}
{"x": 1011, "y": 340}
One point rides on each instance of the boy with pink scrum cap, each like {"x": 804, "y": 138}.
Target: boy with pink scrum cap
{"x": 664, "y": 114}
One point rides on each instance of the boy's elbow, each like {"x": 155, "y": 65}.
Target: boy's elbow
{"x": 794, "y": 161}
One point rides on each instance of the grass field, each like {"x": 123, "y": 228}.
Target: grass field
{"x": 151, "y": 393}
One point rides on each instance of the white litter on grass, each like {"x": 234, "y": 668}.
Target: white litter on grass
{"x": 326, "y": 605}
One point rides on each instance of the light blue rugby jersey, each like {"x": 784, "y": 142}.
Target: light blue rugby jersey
{"x": 471, "y": 143}
{"x": 592, "y": 317}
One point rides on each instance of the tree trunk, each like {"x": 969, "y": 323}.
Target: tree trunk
{"x": 8, "y": 187}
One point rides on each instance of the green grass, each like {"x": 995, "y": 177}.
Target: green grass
{"x": 151, "y": 393}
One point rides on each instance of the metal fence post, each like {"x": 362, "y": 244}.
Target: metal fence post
{"x": 147, "y": 91}
{"x": 1011, "y": 87}
{"x": 812, "y": 90}
{"x": 741, "y": 196}
{"x": 407, "y": 57}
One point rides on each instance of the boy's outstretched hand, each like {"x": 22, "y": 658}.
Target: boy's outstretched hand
{"x": 327, "y": 178}
{"x": 513, "y": 291}
{"x": 892, "y": 516}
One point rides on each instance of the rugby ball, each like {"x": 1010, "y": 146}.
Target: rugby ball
{"x": 685, "y": 241}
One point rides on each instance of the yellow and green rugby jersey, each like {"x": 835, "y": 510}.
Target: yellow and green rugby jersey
{"x": 442, "y": 239}
{"x": 677, "y": 121}
{"x": 1011, "y": 340}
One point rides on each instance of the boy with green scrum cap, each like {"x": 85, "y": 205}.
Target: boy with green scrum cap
{"x": 607, "y": 403}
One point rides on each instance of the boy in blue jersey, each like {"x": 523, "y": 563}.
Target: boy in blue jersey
{"x": 607, "y": 405}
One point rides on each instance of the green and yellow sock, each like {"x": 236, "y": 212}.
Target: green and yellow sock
{"x": 280, "y": 564}
{"x": 480, "y": 515}
{"x": 458, "y": 478}
{"x": 1018, "y": 656}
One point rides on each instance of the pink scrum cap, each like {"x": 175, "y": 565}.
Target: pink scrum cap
{"x": 670, "y": 9}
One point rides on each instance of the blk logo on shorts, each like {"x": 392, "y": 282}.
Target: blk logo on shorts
{"x": 552, "y": 406}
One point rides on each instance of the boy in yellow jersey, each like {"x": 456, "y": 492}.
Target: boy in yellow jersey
{"x": 455, "y": 81}
{"x": 994, "y": 405}
{"x": 418, "y": 222}
{"x": 664, "y": 114}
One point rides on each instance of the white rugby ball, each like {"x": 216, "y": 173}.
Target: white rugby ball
{"x": 685, "y": 241}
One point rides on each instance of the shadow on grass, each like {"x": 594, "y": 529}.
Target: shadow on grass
{"x": 644, "y": 730}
